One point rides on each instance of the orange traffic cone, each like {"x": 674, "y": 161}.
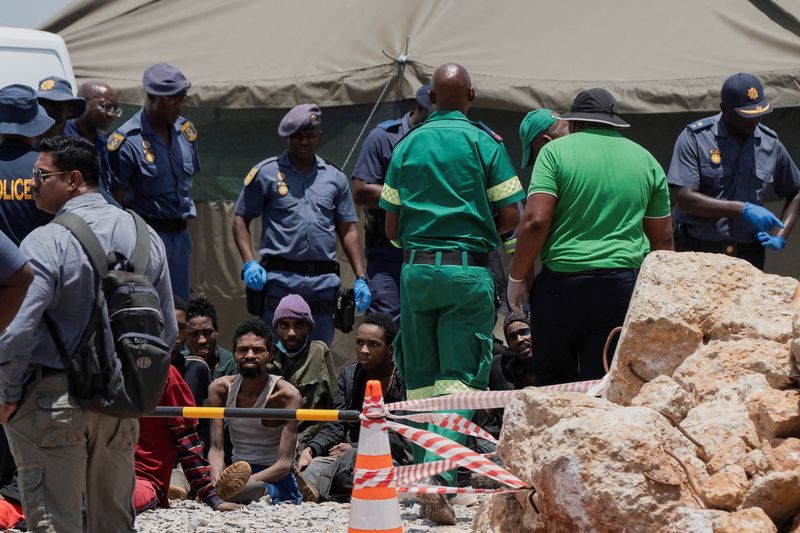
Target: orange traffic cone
{"x": 374, "y": 506}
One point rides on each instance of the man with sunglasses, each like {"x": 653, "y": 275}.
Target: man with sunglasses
{"x": 102, "y": 107}
{"x": 153, "y": 157}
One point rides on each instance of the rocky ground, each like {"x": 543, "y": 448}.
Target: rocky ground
{"x": 192, "y": 517}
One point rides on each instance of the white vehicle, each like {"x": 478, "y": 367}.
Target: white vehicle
{"x": 27, "y": 56}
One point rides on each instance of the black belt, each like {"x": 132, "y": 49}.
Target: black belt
{"x": 40, "y": 372}
{"x": 307, "y": 268}
{"x": 317, "y": 308}
{"x": 166, "y": 225}
{"x": 446, "y": 258}
{"x": 725, "y": 247}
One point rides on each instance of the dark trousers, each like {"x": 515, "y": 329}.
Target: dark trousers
{"x": 752, "y": 252}
{"x": 572, "y": 315}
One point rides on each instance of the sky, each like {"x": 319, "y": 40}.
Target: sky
{"x": 29, "y": 13}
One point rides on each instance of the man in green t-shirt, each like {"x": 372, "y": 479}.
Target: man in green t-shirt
{"x": 597, "y": 204}
{"x": 446, "y": 179}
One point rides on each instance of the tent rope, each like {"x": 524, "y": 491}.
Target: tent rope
{"x": 400, "y": 62}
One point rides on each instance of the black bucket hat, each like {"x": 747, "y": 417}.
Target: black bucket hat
{"x": 595, "y": 105}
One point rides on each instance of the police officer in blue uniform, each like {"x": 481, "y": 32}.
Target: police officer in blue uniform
{"x": 304, "y": 203}
{"x": 22, "y": 120}
{"x": 153, "y": 157}
{"x": 102, "y": 107}
{"x": 55, "y": 96}
{"x": 721, "y": 171}
{"x": 384, "y": 261}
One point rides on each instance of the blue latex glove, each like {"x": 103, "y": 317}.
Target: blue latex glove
{"x": 362, "y": 294}
{"x": 255, "y": 277}
{"x": 760, "y": 218}
{"x": 773, "y": 242}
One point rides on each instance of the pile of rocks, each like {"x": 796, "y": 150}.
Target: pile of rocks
{"x": 699, "y": 427}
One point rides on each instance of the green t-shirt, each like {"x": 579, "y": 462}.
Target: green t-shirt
{"x": 443, "y": 179}
{"x": 605, "y": 185}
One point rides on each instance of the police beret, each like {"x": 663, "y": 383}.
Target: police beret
{"x": 55, "y": 89}
{"x": 298, "y": 118}
{"x": 163, "y": 79}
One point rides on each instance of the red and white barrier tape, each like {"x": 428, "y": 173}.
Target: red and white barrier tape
{"x": 451, "y": 421}
{"x": 457, "y": 454}
{"x": 436, "y": 489}
{"x": 386, "y": 478}
{"x": 410, "y": 474}
{"x": 488, "y": 399}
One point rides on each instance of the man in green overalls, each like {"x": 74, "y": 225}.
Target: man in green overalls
{"x": 445, "y": 177}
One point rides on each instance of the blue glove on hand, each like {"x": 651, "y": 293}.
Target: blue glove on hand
{"x": 760, "y": 218}
{"x": 362, "y": 294}
{"x": 772, "y": 242}
{"x": 255, "y": 277}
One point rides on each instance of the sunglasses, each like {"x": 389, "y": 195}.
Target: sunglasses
{"x": 39, "y": 177}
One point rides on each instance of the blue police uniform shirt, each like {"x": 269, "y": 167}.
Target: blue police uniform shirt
{"x": 100, "y": 141}
{"x": 158, "y": 179}
{"x": 298, "y": 213}
{"x": 371, "y": 166}
{"x": 707, "y": 158}
{"x": 18, "y": 212}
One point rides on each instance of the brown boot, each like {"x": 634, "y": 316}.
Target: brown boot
{"x": 436, "y": 507}
{"x": 232, "y": 480}
{"x": 310, "y": 492}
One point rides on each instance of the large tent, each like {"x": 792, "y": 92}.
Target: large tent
{"x": 250, "y": 60}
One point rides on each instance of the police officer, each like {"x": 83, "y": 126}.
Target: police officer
{"x": 102, "y": 107}
{"x": 304, "y": 203}
{"x": 22, "y": 120}
{"x": 153, "y": 157}
{"x": 444, "y": 178}
{"x": 383, "y": 259}
{"x": 55, "y": 95}
{"x": 721, "y": 170}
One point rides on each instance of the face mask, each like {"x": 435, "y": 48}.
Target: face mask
{"x": 289, "y": 354}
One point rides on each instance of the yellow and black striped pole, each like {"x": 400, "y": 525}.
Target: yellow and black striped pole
{"x": 313, "y": 415}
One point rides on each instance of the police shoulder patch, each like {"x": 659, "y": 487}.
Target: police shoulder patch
{"x": 700, "y": 125}
{"x": 489, "y": 130}
{"x": 250, "y": 175}
{"x": 115, "y": 141}
{"x": 188, "y": 130}
{"x": 771, "y": 133}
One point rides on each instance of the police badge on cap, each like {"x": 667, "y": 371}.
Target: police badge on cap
{"x": 301, "y": 117}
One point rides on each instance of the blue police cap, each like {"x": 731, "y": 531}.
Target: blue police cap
{"x": 422, "y": 96}
{"x": 56, "y": 89}
{"x": 744, "y": 93}
{"x": 21, "y": 114}
{"x": 300, "y": 117}
{"x": 163, "y": 79}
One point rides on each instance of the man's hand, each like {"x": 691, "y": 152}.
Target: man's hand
{"x": 255, "y": 277}
{"x": 7, "y": 410}
{"x": 773, "y": 242}
{"x": 761, "y": 218}
{"x": 362, "y": 294}
{"x": 306, "y": 456}
{"x": 227, "y": 506}
{"x": 339, "y": 449}
{"x": 517, "y": 294}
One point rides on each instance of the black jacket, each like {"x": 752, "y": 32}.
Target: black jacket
{"x": 350, "y": 395}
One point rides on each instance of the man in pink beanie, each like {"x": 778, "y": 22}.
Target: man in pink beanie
{"x": 304, "y": 363}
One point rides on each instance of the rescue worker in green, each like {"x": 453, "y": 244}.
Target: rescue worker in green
{"x": 444, "y": 178}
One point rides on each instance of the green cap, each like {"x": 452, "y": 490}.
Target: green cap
{"x": 534, "y": 124}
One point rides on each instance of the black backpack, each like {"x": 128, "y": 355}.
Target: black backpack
{"x": 121, "y": 364}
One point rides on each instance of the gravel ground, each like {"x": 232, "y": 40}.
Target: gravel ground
{"x": 193, "y": 517}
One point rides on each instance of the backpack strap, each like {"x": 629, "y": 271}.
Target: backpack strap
{"x": 141, "y": 253}
{"x": 94, "y": 250}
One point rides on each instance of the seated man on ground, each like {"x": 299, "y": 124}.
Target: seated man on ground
{"x": 306, "y": 364}
{"x": 194, "y": 372}
{"x": 326, "y": 465}
{"x": 514, "y": 369}
{"x": 161, "y": 441}
{"x": 265, "y": 448}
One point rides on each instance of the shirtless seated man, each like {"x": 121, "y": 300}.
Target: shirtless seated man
{"x": 263, "y": 450}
